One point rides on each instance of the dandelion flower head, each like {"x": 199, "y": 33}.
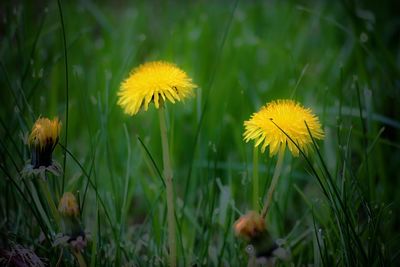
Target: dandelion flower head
{"x": 290, "y": 116}
{"x": 68, "y": 205}
{"x": 156, "y": 82}
{"x": 45, "y": 133}
{"x": 250, "y": 225}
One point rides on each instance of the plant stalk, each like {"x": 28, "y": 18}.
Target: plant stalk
{"x": 79, "y": 258}
{"x": 256, "y": 181}
{"x": 46, "y": 191}
{"x": 274, "y": 182}
{"x": 169, "y": 189}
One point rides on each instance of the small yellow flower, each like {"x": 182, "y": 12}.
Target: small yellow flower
{"x": 45, "y": 133}
{"x": 290, "y": 117}
{"x": 154, "y": 82}
{"x": 250, "y": 225}
{"x": 68, "y": 205}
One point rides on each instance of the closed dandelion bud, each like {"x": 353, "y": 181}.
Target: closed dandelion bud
{"x": 42, "y": 141}
{"x": 252, "y": 228}
{"x": 68, "y": 206}
{"x": 72, "y": 228}
{"x": 250, "y": 225}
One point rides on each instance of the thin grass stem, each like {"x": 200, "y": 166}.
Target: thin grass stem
{"x": 66, "y": 92}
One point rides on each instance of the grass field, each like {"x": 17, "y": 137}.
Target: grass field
{"x": 338, "y": 206}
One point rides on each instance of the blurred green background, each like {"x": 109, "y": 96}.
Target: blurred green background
{"x": 340, "y": 58}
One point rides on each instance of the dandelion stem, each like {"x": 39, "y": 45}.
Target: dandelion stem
{"x": 79, "y": 258}
{"x": 256, "y": 182}
{"x": 46, "y": 191}
{"x": 274, "y": 182}
{"x": 170, "y": 189}
{"x": 35, "y": 192}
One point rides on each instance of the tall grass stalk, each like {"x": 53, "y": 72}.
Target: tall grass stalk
{"x": 168, "y": 176}
{"x": 66, "y": 93}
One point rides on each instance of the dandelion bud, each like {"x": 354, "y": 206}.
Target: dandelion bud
{"x": 42, "y": 141}
{"x": 72, "y": 228}
{"x": 68, "y": 206}
{"x": 250, "y": 225}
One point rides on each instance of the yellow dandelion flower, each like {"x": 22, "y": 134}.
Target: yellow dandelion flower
{"x": 154, "y": 82}
{"x": 250, "y": 225}
{"x": 68, "y": 205}
{"x": 290, "y": 117}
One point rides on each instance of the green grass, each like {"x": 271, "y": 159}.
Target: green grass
{"x": 337, "y": 206}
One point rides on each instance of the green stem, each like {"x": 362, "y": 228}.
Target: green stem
{"x": 274, "y": 182}
{"x": 39, "y": 206}
{"x": 94, "y": 239}
{"x": 79, "y": 258}
{"x": 170, "y": 190}
{"x": 256, "y": 182}
{"x": 46, "y": 191}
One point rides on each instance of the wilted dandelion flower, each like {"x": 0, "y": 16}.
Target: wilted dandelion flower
{"x": 73, "y": 233}
{"x": 68, "y": 205}
{"x": 250, "y": 225}
{"x": 154, "y": 82}
{"x": 42, "y": 141}
{"x": 291, "y": 118}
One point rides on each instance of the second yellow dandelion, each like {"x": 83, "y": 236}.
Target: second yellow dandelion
{"x": 279, "y": 124}
{"x": 291, "y": 118}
